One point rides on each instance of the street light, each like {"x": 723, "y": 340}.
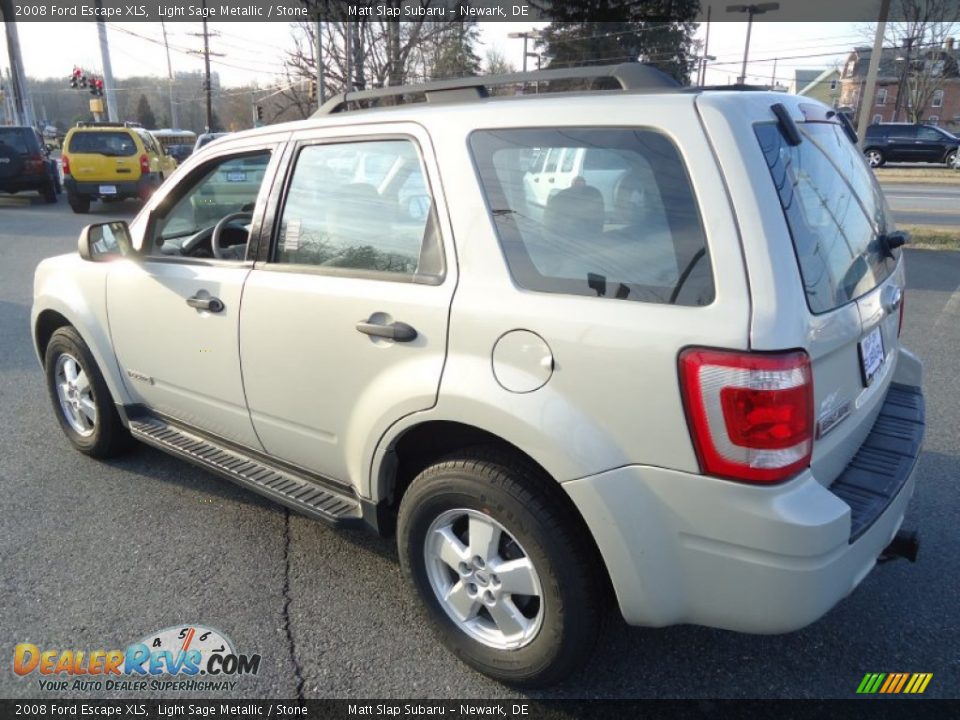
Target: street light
{"x": 526, "y": 35}
{"x": 750, "y": 10}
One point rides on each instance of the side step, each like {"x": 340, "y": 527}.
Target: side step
{"x": 278, "y": 484}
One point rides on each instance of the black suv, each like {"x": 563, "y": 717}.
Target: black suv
{"x": 25, "y": 164}
{"x": 905, "y": 142}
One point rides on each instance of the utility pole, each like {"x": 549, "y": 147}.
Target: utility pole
{"x": 112, "y": 115}
{"x": 904, "y": 85}
{"x": 18, "y": 80}
{"x": 866, "y": 97}
{"x": 206, "y": 65}
{"x": 702, "y": 70}
{"x": 348, "y": 57}
{"x": 321, "y": 90}
{"x": 174, "y": 123}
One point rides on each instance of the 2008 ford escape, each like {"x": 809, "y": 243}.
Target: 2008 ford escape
{"x": 640, "y": 344}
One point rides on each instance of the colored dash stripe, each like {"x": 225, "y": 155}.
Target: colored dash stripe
{"x": 875, "y": 685}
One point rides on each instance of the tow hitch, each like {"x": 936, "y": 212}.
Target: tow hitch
{"x": 905, "y": 544}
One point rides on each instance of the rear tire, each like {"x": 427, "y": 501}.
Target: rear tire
{"x": 49, "y": 193}
{"x": 500, "y": 508}
{"x": 80, "y": 205}
{"x": 874, "y": 158}
{"x": 81, "y": 400}
{"x": 951, "y": 161}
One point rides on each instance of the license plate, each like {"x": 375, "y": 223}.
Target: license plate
{"x": 108, "y": 189}
{"x": 871, "y": 355}
{"x": 236, "y": 177}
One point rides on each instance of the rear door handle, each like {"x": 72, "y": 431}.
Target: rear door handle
{"x": 396, "y": 331}
{"x": 210, "y": 304}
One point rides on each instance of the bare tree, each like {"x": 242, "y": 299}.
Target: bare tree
{"x": 922, "y": 59}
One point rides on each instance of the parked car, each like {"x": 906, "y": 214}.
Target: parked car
{"x": 111, "y": 161}
{"x": 26, "y": 165}
{"x": 906, "y": 142}
{"x": 695, "y": 402}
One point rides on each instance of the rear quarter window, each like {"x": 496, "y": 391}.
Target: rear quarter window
{"x": 834, "y": 210}
{"x": 626, "y": 228}
{"x": 112, "y": 144}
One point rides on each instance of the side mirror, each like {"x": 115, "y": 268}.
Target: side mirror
{"x": 105, "y": 241}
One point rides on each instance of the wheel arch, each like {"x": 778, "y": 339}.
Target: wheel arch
{"x": 419, "y": 446}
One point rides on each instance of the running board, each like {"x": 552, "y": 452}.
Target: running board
{"x": 255, "y": 474}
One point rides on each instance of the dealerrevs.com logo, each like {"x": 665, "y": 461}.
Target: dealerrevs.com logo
{"x": 186, "y": 658}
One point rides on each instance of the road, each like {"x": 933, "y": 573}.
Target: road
{"x": 97, "y": 555}
{"x": 924, "y": 204}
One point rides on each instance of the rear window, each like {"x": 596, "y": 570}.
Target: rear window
{"x": 112, "y": 144}
{"x": 626, "y": 227}
{"x": 15, "y": 139}
{"x": 834, "y": 209}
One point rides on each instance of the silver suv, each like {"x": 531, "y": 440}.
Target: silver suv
{"x": 637, "y": 344}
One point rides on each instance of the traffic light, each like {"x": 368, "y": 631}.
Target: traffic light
{"x": 313, "y": 90}
{"x": 259, "y": 113}
{"x": 75, "y": 77}
{"x": 96, "y": 87}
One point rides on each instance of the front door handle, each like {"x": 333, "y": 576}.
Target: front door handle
{"x": 210, "y": 304}
{"x": 396, "y": 331}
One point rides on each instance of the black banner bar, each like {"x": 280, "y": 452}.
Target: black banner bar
{"x": 434, "y": 10}
{"x": 138, "y": 709}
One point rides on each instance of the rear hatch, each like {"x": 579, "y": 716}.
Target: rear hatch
{"x": 103, "y": 156}
{"x": 852, "y": 279}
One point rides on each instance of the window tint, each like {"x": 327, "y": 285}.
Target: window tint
{"x": 361, "y": 206}
{"x": 930, "y": 135}
{"x": 834, "y": 209}
{"x": 113, "y": 144}
{"x": 626, "y": 228}
{"x": 14, "y": 139}
{"x": 903, "y": 132}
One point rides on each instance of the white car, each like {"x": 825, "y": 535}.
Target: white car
{"x": 684, "y": 390}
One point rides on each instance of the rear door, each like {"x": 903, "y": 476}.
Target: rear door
{"x": 344, "y": 322}
{"x": 903, "y": 145}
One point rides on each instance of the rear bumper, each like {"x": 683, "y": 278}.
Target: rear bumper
{"x": 25, "y": 182}
{"x": 683, "y": 548}
{"x": 141, "y": 188}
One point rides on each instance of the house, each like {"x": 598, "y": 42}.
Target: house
{"x": 825, "y": 87}
{"x": 940, "y": 66}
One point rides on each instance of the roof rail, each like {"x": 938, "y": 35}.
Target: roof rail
{"x": 630, "y": 76}
{"x": 105, "y": 123}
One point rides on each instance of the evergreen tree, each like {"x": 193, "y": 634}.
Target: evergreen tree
{"x": 145, "y": 114}
{"x": 607, "y": 32}
{"x": 456, "y": 54}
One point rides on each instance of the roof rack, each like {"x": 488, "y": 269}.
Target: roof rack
{"x": 630, "y": 76}
{"x": 104, "y": 123}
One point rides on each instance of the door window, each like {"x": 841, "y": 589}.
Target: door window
{"x": 905, "y": 132}
{"x": 929, "y": 135}
{"x": 223, "y": 187}
{"x": 362, "y": 207}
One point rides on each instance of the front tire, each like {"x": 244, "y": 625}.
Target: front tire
{"x": 502, "y": 568}
{"x": 80, "y": 397}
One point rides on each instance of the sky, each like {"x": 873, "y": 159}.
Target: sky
{"x": 255, "y": 51}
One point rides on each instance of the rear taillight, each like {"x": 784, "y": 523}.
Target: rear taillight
{"x": 65, "y": 164}
{"x": 750, "y": 414}
{"x": 144, "y": 164}
{"x": 903, "y": 301}
{"x": 34, "y": 165}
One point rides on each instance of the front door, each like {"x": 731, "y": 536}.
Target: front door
{"x": 174, "y": 312}
{"x": 343, "y": 329}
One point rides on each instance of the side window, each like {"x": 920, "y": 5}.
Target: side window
{"x": 223, "y": 187}
{"x": 903, "y": 132}
{"x": 627, "y": 227}
{"x": 362, "y": 206}
{"x": 929, "y": 135}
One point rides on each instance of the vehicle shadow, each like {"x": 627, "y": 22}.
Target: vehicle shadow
{"x": 937, "y": 270}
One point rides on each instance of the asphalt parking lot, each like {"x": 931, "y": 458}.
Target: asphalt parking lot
{"x": 97, "y": 555}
